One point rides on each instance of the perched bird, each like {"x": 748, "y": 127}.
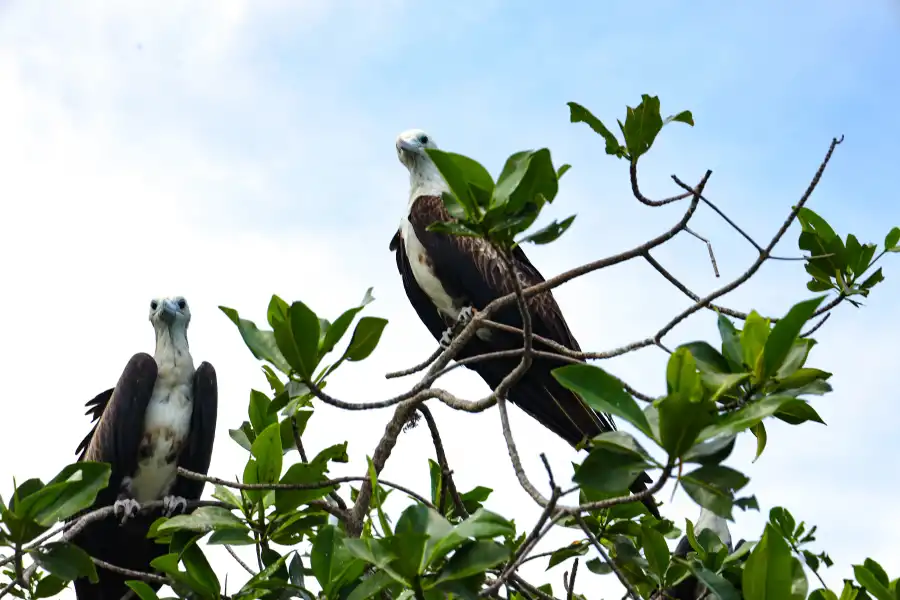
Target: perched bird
{"x": 448, "y": 277}
{"x": 160, "y": 416}
{"x": 690, "y": 588}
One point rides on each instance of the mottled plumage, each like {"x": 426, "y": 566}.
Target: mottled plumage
{"x": 160, "y": 415}
{"x": 443, "y": 274}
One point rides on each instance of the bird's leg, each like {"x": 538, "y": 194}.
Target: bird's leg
{"x": 462, "y": 319}
{"x": 171, "y": 504}
{"x": 128, "y": 506}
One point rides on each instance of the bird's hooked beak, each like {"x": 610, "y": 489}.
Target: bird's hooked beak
{"x": 168, "y": 311}
{"x": 406, "y": 146}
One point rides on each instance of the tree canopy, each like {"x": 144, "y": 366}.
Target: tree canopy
{"x": 322, "y": 537}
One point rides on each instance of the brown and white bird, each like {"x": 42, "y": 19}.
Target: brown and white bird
{"x": 447, "y": 276}
{"x": 161, "y": 415}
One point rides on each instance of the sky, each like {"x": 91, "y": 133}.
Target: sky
{"x": 227, "y": 150}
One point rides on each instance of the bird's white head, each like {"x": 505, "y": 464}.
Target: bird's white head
{"x": 424, "y": 177}
{"x": 170, "y": 318}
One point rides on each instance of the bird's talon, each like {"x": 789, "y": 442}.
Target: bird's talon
{"x": 172, "y": 503}
{"x": 129, "y": 508}
{"x": 465, "y": 315}
{"x": 446, "y": 338}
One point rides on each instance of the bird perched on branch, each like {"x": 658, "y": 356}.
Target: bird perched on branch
{"x": 161, "y": 415}
{"x": 448, "y": 277}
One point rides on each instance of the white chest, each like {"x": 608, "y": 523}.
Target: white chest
{"x": 424, "y": 274}
{"x": 167, "y": 424}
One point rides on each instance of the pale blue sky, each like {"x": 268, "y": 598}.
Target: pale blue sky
{"x": 226, "y": 150}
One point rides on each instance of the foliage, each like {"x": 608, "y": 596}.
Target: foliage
{"x": 310, "y": 543}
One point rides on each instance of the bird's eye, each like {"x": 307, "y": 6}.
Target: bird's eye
{"x": 423, "y": 139}
{"x": 181, "y": 303}
{"x": 153, "y": 304}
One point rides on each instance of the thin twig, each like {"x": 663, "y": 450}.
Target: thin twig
{"x": 446, "y": 473}
{"x": 570, "y": 584}
{"x": 712, "y": 257}
{"x": 151, "y": 577}
{"x": 815, "y": 327}
{"x": 419, "y": 367}
{"x": 239, "y": 561}
{"x": 643, "y": 199}
{"x": 596, "y": 543}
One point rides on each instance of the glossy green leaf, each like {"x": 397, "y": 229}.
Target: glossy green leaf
{"x": 610, "y": 468}
{"x": 305, "y": 329}
{"x": 66, "y": 561}
{"x": 680, "y": 422}
{"x": 873, "y": 583}
{"x": 527, "y": 177}
{"x": 642, "y": 125}
{"x": 731, "y": 343}
{"x": 549, "y": 233}
{"x": 72, "y": 490}
{"x": 473, "y": 559}
{"x": 560, "y": 555}
{"x": 461, "y": 174}
{"x": 746, "y": 417}
{"x": 753, "y": 341}
{"x": 720, "y": 587}
{"x": 762, "y": 438}
{"x": 260, "y": 342}
{"x": 784, "y": 334}
{"x": 712, "y": 451}
{"x": 342, "y": 323}
{"x": 301, "y": 474}
{"x": 142, "y": 589}
{"x": 205, "y": 518}
{"x": 798, "y": 411}
{"x": 768, "y": 573}
{"x": 579, "y": 114}
{"x": 602, "y": 392}
{"x": 267, "y": 450}
{"x": 656, "y": 551}
{"x": 49, "y": 586}
{"x": 713, "y": 487}
{"x": 365, "y": 338}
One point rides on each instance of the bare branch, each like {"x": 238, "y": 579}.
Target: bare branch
{"x": 712, "y": 257}
{"x": 239, "y": 561}
{"x": 419, "y": 367}
{"x": 643, "y": 199}
{"x": 446, "y": 473}
{"x": 151, "y": 577}
{"x": 596, "y": 543}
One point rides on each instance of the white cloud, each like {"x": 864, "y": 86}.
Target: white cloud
{"x": 140, "y": 148}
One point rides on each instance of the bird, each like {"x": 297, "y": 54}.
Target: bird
{"x": 447, "y": 278}
{"x": 160, "y": 415}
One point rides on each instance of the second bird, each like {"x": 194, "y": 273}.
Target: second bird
{"x": 447, "y": 276}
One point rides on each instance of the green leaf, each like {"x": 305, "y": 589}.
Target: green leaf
{"x": 684, "y": 116}
{"x": 72, "y": 490}
{"x": 681, "y": 375}
{"x": 875, "y": 277}
{"x": 768, "y": 573}
{"x": 599, "y": 567}
{"x": 371, "y": 586}
{"x": 472, "y": 559}
{"x": 576, "y": 548}
{"x": 656, "y": 550}
{"x": 342, "y": 323}
{"x": 892, "y": 238}
{"x": 142, "y": 589}
{"x": 260, "y": 342}
{"x": 798, "y": 411}
{"x": 365, "y": 338}
{"x": 713, "y": 487}
{"x": 681, "y": 419}
{"x": 711, "y": 451}
{"x": 799, "y": 583}
{"x": 322, "y": 557}
{"x": 259, "y": 413}
{"x": 759, "y": 431}
{"x": 642, "y": 124}
{"x": 301, "y": 473}
{"x": 753, "y": 341}
{"x": 613, "y": 464}
{"x": 267, "y": 450}
{"x": 203, "y": 519}
{"x": 66, "y": 561}
{"x": 48, "y": 586}
{"x": 602, "y": 392}
{"x": 550, "y": 233}
{"x": 466, "y": 178}
{"x": 718, "y": 585}
{"x": 746, "y": 417}
{"x": 562, "y": 171}
{"x": 527, "y": 177}
{"x": 873, "y": 584}
{"x": 823, "y": 594}
{"x": 579, "y": 114}
{"x": 244, "y": 436}
{"x": 305, "y": 329}
{"x": 707, "y": 358}
{"x": 731, "y": 343}
{"x": 785, "y": 333}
